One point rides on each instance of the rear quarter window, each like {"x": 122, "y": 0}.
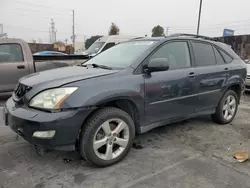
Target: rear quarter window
{"x": 11, "y": 53}
{"x": 226, "y": 57}
{"x": 218, "y": 56}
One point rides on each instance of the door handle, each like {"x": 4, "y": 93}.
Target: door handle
{"x": 20, "y": 66}
{"x": 191, "y": 75}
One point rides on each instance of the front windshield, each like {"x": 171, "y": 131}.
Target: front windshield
{"x": 121, "y": 55}
{"x": 95, "y": 47}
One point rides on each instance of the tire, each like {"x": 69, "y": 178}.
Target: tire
{"x": 218, "y": 116}
{"x": 94, "y": 127}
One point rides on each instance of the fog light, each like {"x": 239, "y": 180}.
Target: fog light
{"x": 44, "y": 134}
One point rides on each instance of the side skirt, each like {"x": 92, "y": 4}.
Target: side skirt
{"x": 146, "y": 128}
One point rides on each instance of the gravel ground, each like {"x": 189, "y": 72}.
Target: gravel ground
{"x": 194, "y": 153}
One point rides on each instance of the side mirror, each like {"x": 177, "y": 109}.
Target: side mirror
{"x": 157, "y": 65}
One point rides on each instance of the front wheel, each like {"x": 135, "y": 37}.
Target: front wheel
{"x": 227, "y": 108}
{"x": 107, "y": 137}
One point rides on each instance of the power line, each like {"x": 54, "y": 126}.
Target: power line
{"x": 211, "y": 28}
{"x": 26, "y": 15}
{"x": 32, "y": 29}
{"x": 223, "y": 23}
{"x": 35, "y": 11}
{"x": 39, "y": 5}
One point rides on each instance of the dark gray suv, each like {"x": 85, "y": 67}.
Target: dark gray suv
{"x": 98, "y": 107}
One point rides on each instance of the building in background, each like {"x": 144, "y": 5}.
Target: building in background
{"x": 240, "y": 44}
{"x": 60, "y": 46}
{"x": 57, "y": 46}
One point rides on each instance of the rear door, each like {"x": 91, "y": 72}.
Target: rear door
{"x": 212, "y": 73}
{"x": 171, "y": 94}
{"x": 12, "y": 66}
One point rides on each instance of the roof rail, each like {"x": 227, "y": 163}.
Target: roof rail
{"x": 136, "y": 38}
{"x": 192, "y": 35}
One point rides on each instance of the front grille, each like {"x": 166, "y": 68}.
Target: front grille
{"x": 247, "y": 87}
{"x": 21, "y": 90}
{"x": 248, "y": 76}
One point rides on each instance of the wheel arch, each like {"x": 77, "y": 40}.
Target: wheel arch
{"x": 237, "y": 88}
{"x": 123, "y": 103}
{"x": 127, "y": 105}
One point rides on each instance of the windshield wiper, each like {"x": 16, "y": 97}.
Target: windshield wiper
{"x": 101, "y": 66}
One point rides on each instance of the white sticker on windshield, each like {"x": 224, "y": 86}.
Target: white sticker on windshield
{"x": 144, "y": 43}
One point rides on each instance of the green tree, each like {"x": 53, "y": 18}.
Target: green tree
{"x": 114, "y": 29}
{"x": 91, "y": 40}
{"x": 157, "y": 31}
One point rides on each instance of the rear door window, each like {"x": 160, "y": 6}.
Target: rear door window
{"x": 11, "y": 53}
{"x": 204, "y": 54}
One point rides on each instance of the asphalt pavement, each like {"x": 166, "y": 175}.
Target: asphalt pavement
{"x": 194, "y": 153}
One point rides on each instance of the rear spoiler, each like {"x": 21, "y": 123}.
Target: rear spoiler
{"x": 59, "y": 57}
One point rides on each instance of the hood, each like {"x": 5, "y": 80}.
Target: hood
{"x": 60, "y": 76}
{"x": 248, "y": 69}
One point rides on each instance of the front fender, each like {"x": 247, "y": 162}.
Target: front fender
{"x": 94, "y": 93}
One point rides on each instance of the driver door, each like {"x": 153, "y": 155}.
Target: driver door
{"x": 172, "y": 93}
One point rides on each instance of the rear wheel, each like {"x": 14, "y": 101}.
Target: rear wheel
{"x": 107, "y": 137}
{"x": 227, "y": 108}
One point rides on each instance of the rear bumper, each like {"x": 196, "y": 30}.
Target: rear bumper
{"x": 25, "y": 121}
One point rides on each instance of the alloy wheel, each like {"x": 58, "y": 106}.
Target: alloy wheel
{"x": 111, "y": 139}
{"x": 229, "y": 107}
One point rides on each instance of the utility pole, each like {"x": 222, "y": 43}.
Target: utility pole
{"x": 2, "y": 34}
{"x": 55, "y": 35}
{"x": 199, "y": 18}
{"x": 1, "y": 29}
{"x": 49, "y": 36}
{"x": 53, "y": 32}
{"x": 73, "y": 37}
{"x": 167, "y": 30}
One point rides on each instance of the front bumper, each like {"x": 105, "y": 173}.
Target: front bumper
{"x": 25, "y": 121}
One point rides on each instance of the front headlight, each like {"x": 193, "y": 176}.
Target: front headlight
{"x": 51, "y": 98}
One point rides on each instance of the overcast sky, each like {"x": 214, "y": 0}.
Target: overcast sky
{"x": 30, "y": 19}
